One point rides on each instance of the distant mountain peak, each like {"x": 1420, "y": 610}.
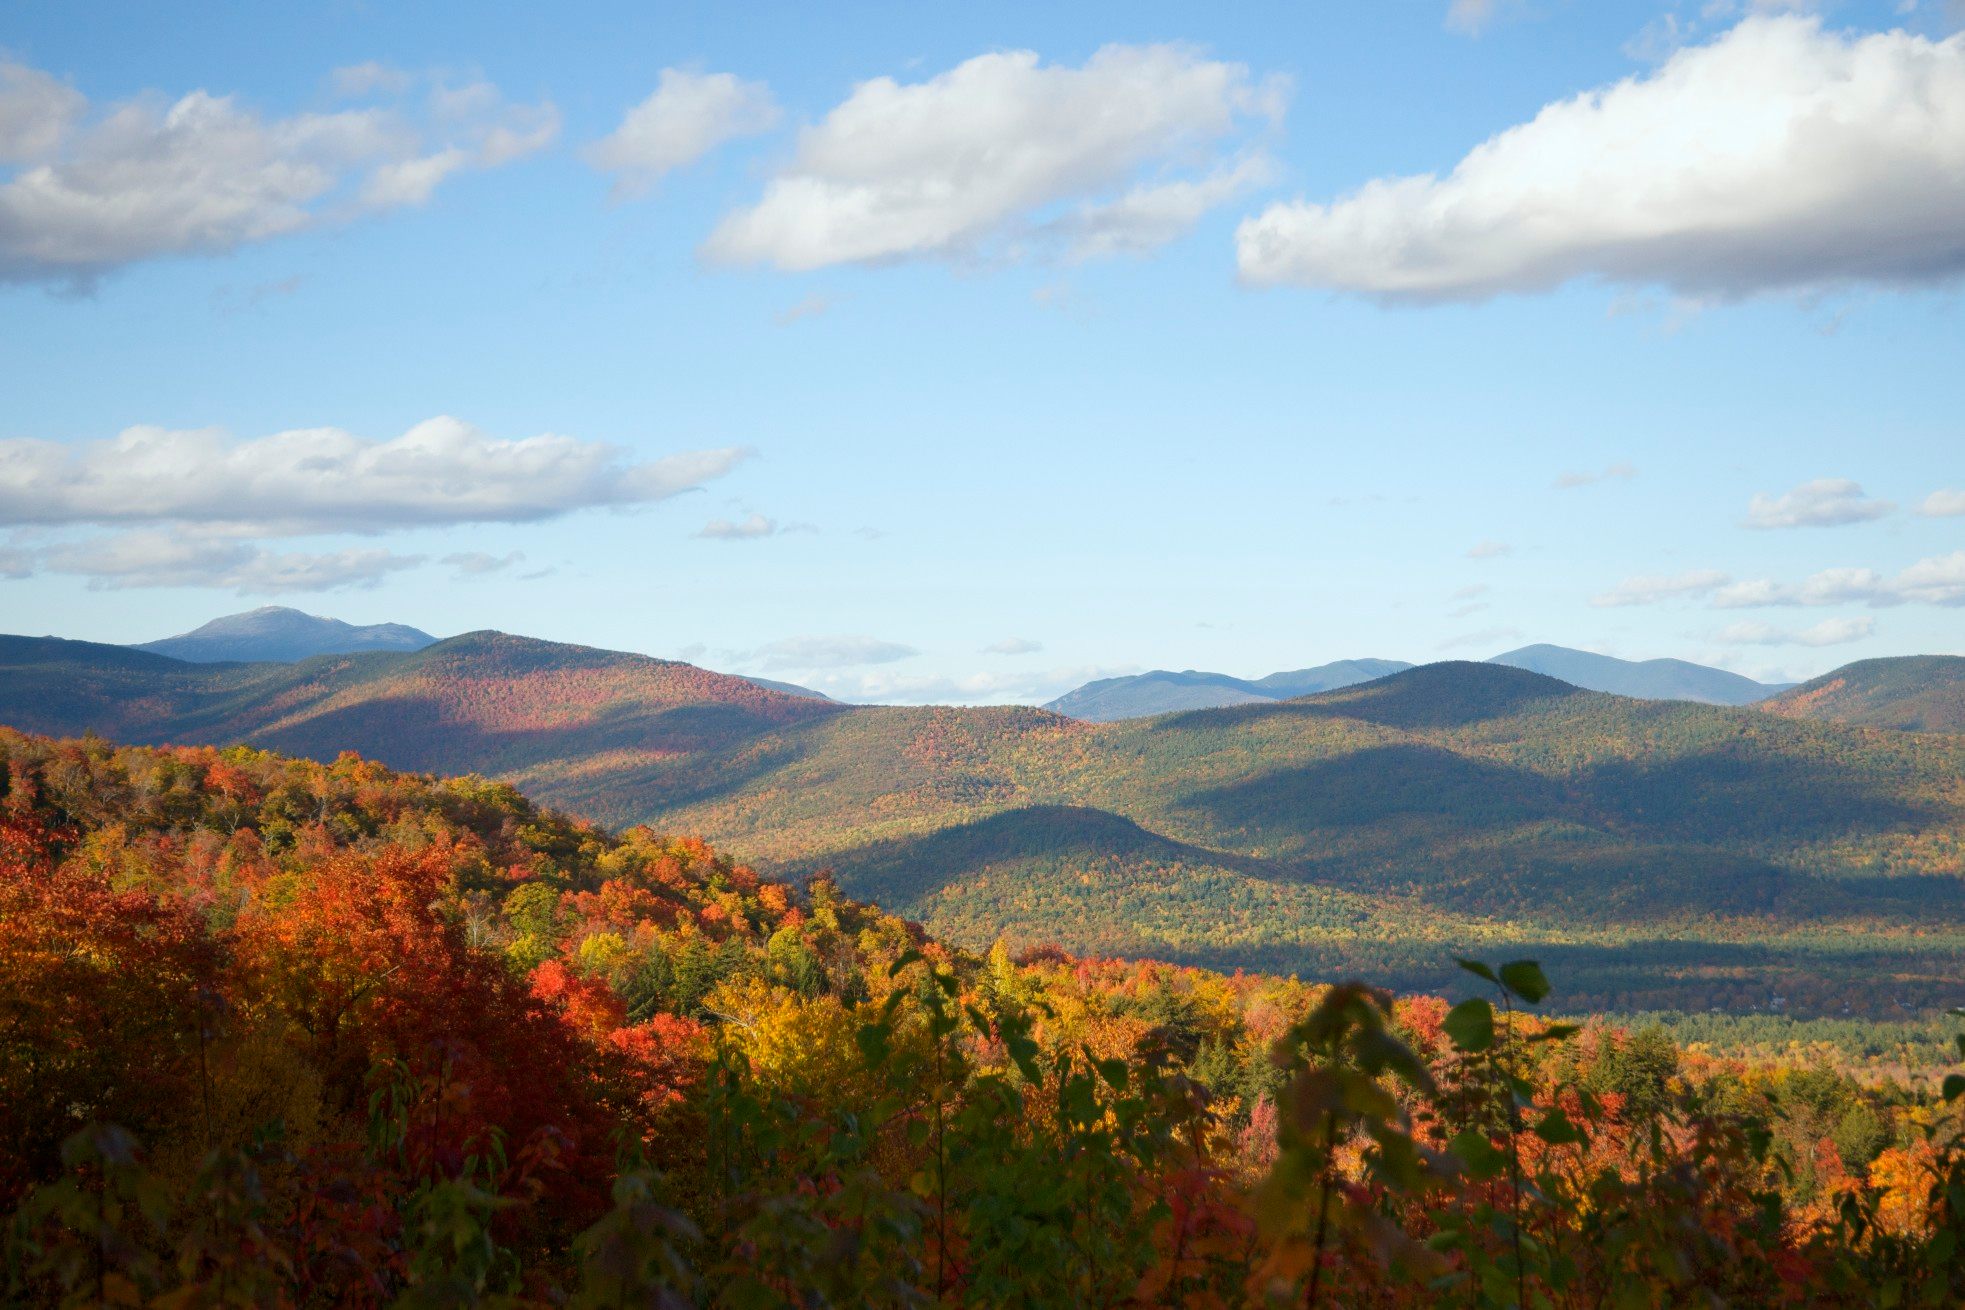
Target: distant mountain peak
{"x": 279, "y": 634}
{"x": 1660, "y": 679}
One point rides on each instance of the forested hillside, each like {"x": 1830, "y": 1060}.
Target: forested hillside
{"x": 1913, "y": 693}
{"x": 1668, "y": 854}
{"x": 280, "y": 1033}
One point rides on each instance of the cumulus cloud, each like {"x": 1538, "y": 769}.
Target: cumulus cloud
{"x": 1939, "y": 580}
{"x": 1569, "y": 481}
{"x": 313, "y": 480}
{"x": 94, "y": 189}
{"x": 689, "y": 115}
{"x": 1943, "y": 504}
{"x": 1648, "y": 589}
{"x": 802, "y": 653}
{"x": 1149, "y": 216}
{"x": 1489, "y": 550}
{"x": 1829, "y": 632}
{"x": 1778, "y": 157}
{"x": 164, "y": 559}
{"x": 1003, "y": 155}
{"x": 1823, "y": 503}
{"x": 1013, "y": 646}
{"x": 36, "y": 112}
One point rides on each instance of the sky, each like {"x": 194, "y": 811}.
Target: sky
{"x": 937, "y": 353}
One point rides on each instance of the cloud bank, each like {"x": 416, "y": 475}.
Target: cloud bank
{"x": 1780, "y": 157}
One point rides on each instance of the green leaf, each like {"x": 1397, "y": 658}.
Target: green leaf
{"x": 1557, "y": 1130}
{"x": 872, "y": 1041}
{"x": 907, "y": 957}
{"x": 1525, "y": 979}
{"x": 1954, "y": 1086}
{"x": 1471, "y": 1025}
{"x": 1482, "y": 1158}
{"x": 1478, "y": 969}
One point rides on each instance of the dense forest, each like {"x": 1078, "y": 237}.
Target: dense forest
{"x": 1661, "y": 855}
{"x": 285, "y": 1033}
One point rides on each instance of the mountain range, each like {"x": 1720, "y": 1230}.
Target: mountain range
{"x": 1163, "y": 692}
{"x": 1667, "y": 851}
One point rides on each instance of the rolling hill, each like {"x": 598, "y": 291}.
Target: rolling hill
{"x": 276, "y": 633}
{"x": 1665, "y": 851}
{"x": 1643, "y": 679}
{"x": 1916, "y": 693}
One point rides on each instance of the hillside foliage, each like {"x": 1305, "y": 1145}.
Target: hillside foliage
{"x": 284, "y": 1033}
{"x": 1664, "y": 855}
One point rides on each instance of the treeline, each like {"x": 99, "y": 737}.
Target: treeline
{"x": 283, "y": 1033}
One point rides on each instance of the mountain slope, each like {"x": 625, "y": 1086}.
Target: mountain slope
{"x": 276, "y": 633}
{"x": 1162, "y": 692}
{"x": 1676, "y": 852}
{"x": 1643, "y": 679}
{"x": 1919, "y": 693}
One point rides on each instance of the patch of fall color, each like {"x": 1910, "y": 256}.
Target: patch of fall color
{"x": 293, "y": 1034}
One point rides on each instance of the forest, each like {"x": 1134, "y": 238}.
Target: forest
{"x": 1661, "y": 855}
{"x": 276, "y": 1032}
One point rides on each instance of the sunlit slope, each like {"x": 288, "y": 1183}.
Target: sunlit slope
{"x": 1914, "y": 693}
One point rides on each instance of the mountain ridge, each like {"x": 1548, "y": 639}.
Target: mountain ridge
{"x": 1914, "y": 693}
{"x": 1454, "y": 805}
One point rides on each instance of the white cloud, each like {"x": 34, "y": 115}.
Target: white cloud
{"x": 36, "y": 112}
{"x": 1939, "y": 580}
{"x": 1829, "y": 632}
{"x": 977, "y": 160}
{"x": 1569, "y": 481}
{"x": 891, "y": 686}
{"x": 1823, "y": 503}
{"x": 1470, "y": 16}
{"x": 748, "y": 529}
{"x": 1779, "y": 157}
{"x": 204, "y": 174}
{"x": 163, "y": 559}
{"x": 1013, "y": 646}
{"x": 360, "y": 81}
{"x": 810, "y": 307}
{"x": 689, "y": 115}
{"x": 801, "y": 653}
{"x": 1151, "y": 215}
{"x": 1943, "y": 504}
{"x": 478, "y": 563}
{"x": 313, "y": 480}
{"x": 1489, "y": 550}
{"x": 1648, "y": 589}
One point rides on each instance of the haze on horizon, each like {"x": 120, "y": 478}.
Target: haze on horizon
{"x": 972, "y": 356}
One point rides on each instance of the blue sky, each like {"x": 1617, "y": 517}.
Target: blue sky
{"x": 1176, "y": 341}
